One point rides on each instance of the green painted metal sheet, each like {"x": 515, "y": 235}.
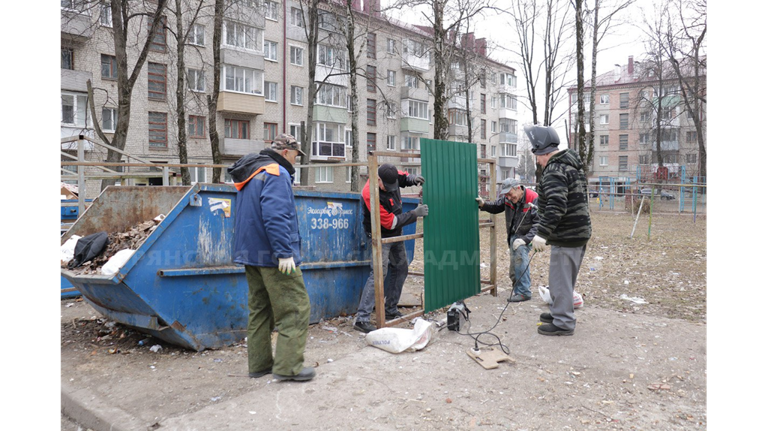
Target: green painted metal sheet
{"x": 451, "y": 233}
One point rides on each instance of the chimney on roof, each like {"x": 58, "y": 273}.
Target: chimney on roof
{"x": 481, "y": 46}
{"x": 631, "y": 66}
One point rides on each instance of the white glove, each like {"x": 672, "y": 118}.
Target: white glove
{"x": 538, "y": 243}
{"x": 480, "y": 202}
{"x": 286, "y": 265}
{"x": 517, "y": 243}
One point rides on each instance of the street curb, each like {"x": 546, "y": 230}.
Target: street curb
{"x": 87, "y": 410}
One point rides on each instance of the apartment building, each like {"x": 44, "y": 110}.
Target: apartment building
{"x": 264, "y": 89}
{"x": 633, "y": 107}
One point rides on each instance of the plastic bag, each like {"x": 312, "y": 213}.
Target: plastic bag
{"x": 396, "y": 340}
{"x": 116, "y": 262}
{"x": 68, "y": 249}
{"x": 578, "y": 300}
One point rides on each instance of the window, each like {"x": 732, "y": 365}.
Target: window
{"x": 623, "y": 163}
{"x": 623, "y": 100}
{"x": 197, "y": 175}
{"x": 482, "y": 103}
{"x": 74, "y": 109}
{"x": 348, "y": 137}
{"x": 670, "y": 159}
{"x": 482, "y": 78}
{"x": 297, "y": 18}
{"x": 508, "y": 125}
{"x": 482, "y": 129}
{"x": 295, "y": 131}
{"x": 604, "y": 140}
{"x": 370, "y": 78}
{"x": 644, "y": 138}
{"x": 297, "y": 95}
{"x": 508, "y": 101}
{"x": 370, "y": 114}
{"x": 623, "y": 142}
{"x": 242, "y": 36}
{"x": 196, "y": 126}
{"x": 237, "y": 129}
{"x": 417, "y": 109}
{"x": 483, "y": 151}
{"x": 156, "y": 84}
{"x": 332, "y": 57}
{"x": 270, "y": 131}
{"x": 158, "y": 42}
{"x": 603, "y": 160}
{"x": 643, "y": 159}
{"x": 108, "y": 119}
{"x": 108, "y": 66}
{"x": 270, "y": 50}
{"x": 691, "y": 136}
{"x": 324, "y": 174}
{"x": 196, "y": 80}
{"x": 391, "y": 142}
{"x": 411, "y": 81}
{"x": 690, "y": 158}
{"x": 371, "y": 45}
{"x": 603, "y": 118}
{"x": 370, "y": 141}
{"x": 457, "y": 117}
{"x": 493, "y": 151}
{"x": 331, "y": 95}
{"x": 493, "y": 127}
{"x": 391, "y": 44}
{"x": 105, "y": 15}
{"x": 623, "y": 121}
{"x": 271, "y": 91}
{"x": 493, "y": 102}
{"x": 604, "y": 99}
{"x": 297, "y": 56}
{"x": 327, "y": 141}
{"x": 645, "y": 116}
{"x": 271, "y": 10}
{"x": 410, "y": 143}
{"x": 67, "y": 58}
{"x": 391, "y": 113}
{"x": 242, "y": 79}
{"x": 197, "y": 35}
{"x": 158, "y": 129}
{"x": 508, "y": 150}
{"x": 327, "y": 21}
{"x": 391, "y": 77}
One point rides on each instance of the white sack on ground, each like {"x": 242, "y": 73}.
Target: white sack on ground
{"x": 396, "y": 340}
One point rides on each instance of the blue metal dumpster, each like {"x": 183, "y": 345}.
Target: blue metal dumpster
{"x": 181, "y": 285}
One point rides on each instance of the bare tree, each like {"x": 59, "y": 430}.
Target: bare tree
{"x": 213, "y": 98}
{"x": 124, "y": 13}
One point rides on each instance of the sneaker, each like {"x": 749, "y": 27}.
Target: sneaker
{"x": 258, "y": 374}
{"x": 546, "y": 318}
{"x": 517, "y": 297}
{"x": 308, "y": 373}
{"x": 551, "y": 329}
{"x": 365, "y": 326}
{"x": 396, "y": 315}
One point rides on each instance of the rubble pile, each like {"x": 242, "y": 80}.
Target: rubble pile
{"x": 130, "y": 239}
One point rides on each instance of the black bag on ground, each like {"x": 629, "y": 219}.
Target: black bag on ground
{"x": 88, "y": 247}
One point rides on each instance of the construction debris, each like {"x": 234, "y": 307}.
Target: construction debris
{"x": 130, "y": 239}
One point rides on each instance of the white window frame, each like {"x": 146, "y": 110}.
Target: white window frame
{"x": 508, "y": 150}
{"x": 111, "y": 114}
{"x": 604, "y": 119}
{"x": 331, "y": 95}
{"x": 297, "y": 18}
{"x": 417, "y": 109}
{"x": 603, "y": 160}
{"x": 105, "y": 15}
{"x": 270, "y": 91}
{"x": 241, "y": 78}
{"x": 604, "y": 99}
{"x": 297, "y": 55}
{"x": 411, "y": 80}
{"x": 324, "y": 175}
{"x": 194, "y": 175}
{"x": 79, "y": 113}
{"x": 271, "y": 10}
{"x": 410, "y": 143}
{"x": 391, "y": 78}
{"x": 196, "y": 80}
{"x": 297, "y": 95}
{"x": 493, "y": 127}
{"x": 197, "y": 35}
{"x": 270, "y": 50}
{"x": 391, "y": 46}
{"x": 391, "y": 142}
{"x": 241, "y": 36}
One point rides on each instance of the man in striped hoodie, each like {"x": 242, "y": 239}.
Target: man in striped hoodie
{"x": 564, "y": 224}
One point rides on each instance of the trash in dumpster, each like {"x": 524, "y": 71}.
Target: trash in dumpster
{"x": 88, "y": 248}
{"x": 117, "y": 261}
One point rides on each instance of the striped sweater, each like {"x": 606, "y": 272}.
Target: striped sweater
{"x": 563, "y": 202}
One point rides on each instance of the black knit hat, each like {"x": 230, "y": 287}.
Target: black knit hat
{"x": 389, "y": 176}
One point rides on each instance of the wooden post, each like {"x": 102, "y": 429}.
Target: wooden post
{"x": 80, "y": 177}
{"x": 376, "y": 257}
{"x": 492, "y": 230}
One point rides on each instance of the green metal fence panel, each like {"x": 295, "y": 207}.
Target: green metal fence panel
{"x": 451, "y": 233}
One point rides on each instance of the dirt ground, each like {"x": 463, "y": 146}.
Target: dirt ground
{"x": 637, "y": 359}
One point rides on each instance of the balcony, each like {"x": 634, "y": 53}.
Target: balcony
{"x": 414, "y": 62}
{"x": 241, "y": 147}
{"x": 240, "y": 103}
{"x": 421, "y": 94}
{"x": 507, "y": 89}
{"x": 331, "y": 75}
{"x": 76, "y": 26}
{"x": 507, "y": 112}
{"x": 238, "y": 57}
{"x": 414, "y": 125}
{"x": 458, "y": 102}
{"x": 75, "y": 80}
{"x": 457, "y": 130}
{"x": 328, "y": 151}
{"x": 329, "y": 114}
{"x": 507, "y": 138}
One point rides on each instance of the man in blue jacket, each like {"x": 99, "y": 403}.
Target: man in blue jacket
{"x": 267, "y": 242}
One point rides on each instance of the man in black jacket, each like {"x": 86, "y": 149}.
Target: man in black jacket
{"x": 394, "y": 259}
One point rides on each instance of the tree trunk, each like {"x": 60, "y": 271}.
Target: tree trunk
{"x": 213, "y": 98}
{"x": 181, "y": 111}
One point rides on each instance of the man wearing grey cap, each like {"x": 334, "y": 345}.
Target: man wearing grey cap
{"x": 564, "y": 223}
{"x": 267, "y": 242}
{"x": 393, "y": 258}
{"x": 520, "y": 210}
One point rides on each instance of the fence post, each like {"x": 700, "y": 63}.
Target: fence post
{"x": 80, "y": 176}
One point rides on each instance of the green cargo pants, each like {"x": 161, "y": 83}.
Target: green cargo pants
{"x": 276, "y": 300}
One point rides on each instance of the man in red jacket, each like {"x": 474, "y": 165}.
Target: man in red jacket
{"x": 394, "y": 259}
